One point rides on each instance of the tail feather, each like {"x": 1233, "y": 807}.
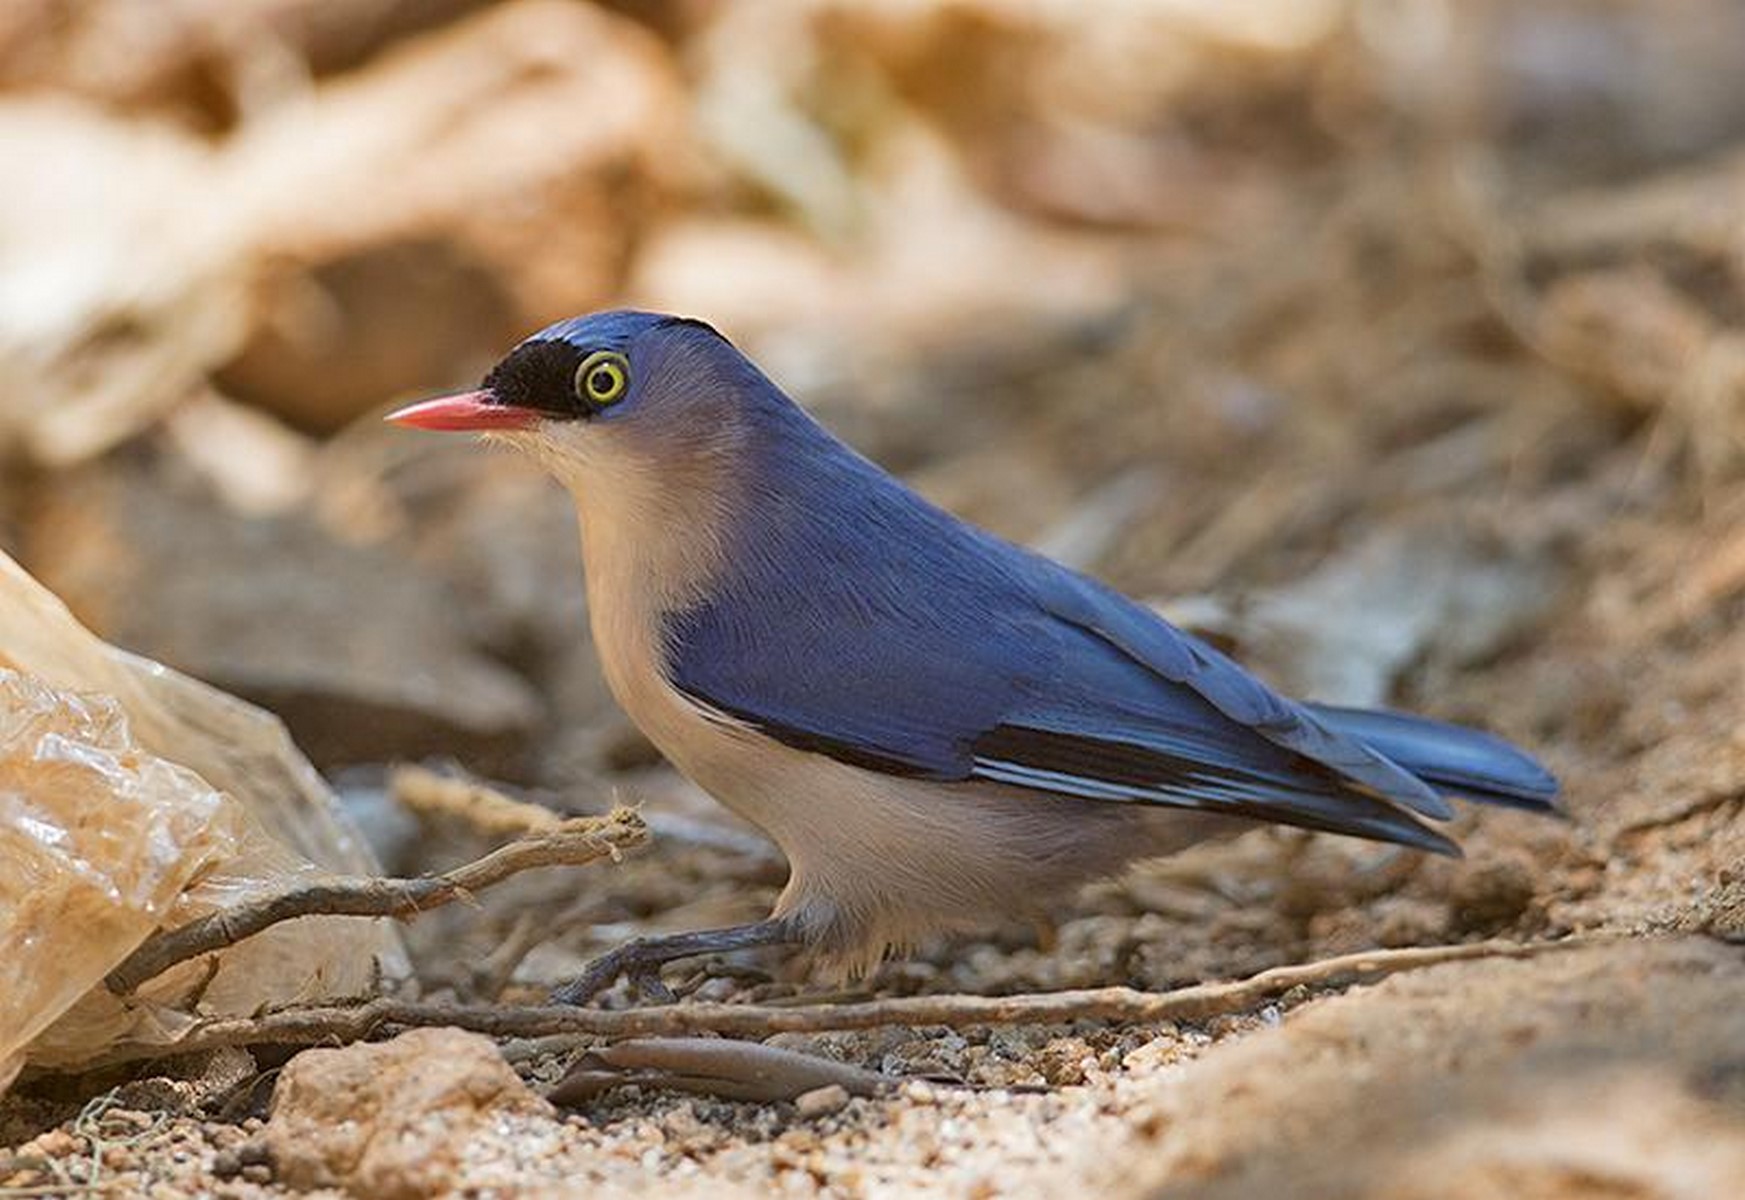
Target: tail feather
{"x": 1459, "y": 762}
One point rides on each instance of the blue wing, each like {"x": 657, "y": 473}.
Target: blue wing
{"x": 896, "y": 638}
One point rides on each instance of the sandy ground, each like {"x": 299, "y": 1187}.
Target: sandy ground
{"x": 1426, "y": 396}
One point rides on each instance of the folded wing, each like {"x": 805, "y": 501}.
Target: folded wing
{"x": 1004, "y": 667}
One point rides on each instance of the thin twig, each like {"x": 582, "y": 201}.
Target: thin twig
{"x": 570, "y": 843}
{"x": 314, "y": 1025}
{"x": 487, "y": 809}
{"x": 493, "y": 809}
{"x": 492, "y": 975}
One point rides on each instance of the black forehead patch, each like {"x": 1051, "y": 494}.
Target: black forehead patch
{"x": 539, "y": 375}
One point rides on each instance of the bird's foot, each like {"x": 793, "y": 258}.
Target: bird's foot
{"x": 639, "y": 961}
{"x": 633, "y": 960}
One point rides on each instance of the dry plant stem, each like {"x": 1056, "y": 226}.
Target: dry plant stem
{"x": 493, "y": 974}
{"x": 486, "y": 809}
{"x": 570, "y": 843}
{"x": 709, "y": 1066}
{"x": 310, "y": 1026}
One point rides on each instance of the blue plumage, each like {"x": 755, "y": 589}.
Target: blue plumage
{"x": 855, "y": 619}
{"x": 932, "y": 723}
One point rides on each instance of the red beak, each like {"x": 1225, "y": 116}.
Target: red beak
{"x": 468, "y": 410}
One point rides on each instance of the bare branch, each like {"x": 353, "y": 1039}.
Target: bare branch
{"x": 567, "y": 843}
{"x": 311, "y": 1026}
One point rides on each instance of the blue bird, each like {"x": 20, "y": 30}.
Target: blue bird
{"x": 935, "y": 726}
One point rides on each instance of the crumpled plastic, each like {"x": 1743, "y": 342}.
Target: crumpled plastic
{"x": 133, "y": 798}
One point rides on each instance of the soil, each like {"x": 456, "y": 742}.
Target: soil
{"x": 1443, "y": 382}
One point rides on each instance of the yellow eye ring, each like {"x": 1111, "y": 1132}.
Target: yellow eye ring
{"x": 602, "y": 378}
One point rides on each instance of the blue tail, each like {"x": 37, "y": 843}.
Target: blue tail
{"x": 1459, "y": 762}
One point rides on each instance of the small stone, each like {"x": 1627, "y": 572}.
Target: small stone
{"x": 56, "y": 1143}
{"x": 130, "y": 1118}
{"x": 389, "y": 1121}
{"x": 821, "y": 1101}
{"x": 918, "y": 1091}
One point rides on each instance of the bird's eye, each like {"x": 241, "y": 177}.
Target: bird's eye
{"x": 602, "y": 378}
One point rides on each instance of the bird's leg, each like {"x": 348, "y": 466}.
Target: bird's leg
{"x": 641, "y": 959}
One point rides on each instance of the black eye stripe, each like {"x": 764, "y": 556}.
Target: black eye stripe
{"x": 539, "y": 375}
{"x": 560, "y": 379}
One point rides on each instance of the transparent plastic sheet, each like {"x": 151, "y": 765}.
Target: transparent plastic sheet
{"x": 232, "y": 745}
{"x": 134, "y": 798}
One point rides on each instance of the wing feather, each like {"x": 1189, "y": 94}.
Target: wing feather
{"x": 987, "y": 683}
{"x": 1236, "y": 693}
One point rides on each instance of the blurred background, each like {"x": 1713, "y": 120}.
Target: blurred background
{"x": 1398, "y": 344}
{"x": 1395, "y": 344}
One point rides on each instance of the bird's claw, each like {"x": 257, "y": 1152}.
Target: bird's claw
{"x": 649, "y": 987}
{"x": 579, "y": 990}
{"x": 641, "y": 973}
{"x": 640, "y": 961}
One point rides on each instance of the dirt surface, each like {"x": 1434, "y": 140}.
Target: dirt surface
{"x": 1396, "y": 347}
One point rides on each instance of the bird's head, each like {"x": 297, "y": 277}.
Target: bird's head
{"x": 606, "y": 391}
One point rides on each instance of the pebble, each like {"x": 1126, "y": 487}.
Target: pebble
{"x": 818, "y": 1102}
